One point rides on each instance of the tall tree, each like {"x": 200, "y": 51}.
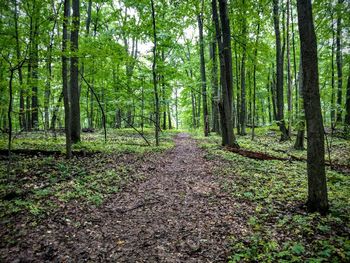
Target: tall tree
{"x": 339, "y": 62}
{"x": 226, "y": 103}
{"x": 317, "y": 186}
{"x": 22, "y": 119}
{"x": 203, "y": 73}
{"x": 254, "y": 77}
{"x": 74, "y": 73}
{"x": 289, "y": 77}
{"x": 214, "y": 84}
{"x": 66, "y": 91}
{"x": 34, "y": 61}
{"x": 243, "y": 111}
{"x": 279, "y": 74}
{"x": 154, "y": 73}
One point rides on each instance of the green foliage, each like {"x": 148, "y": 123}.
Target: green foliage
{"x": 42, "y": 183}
{"x": 280, "y": 230}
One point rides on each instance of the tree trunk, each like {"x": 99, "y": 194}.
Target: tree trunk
{"x": 35, "y": 69}
{"x": 347, "y": 105}
{"x": 66, "y": 90}
{"x": 279, "y": 74}
{"x": 214, "y": 86}
{"x": 269, "y": 97}
{"x": 296, "y": 105}
{"x": 226, "y": 70}
{"x": 317, "y": 186}
{"x": 243, "y": 111}
{"x": 333, "y": 107}
{"x": 289, "y": 78}
{"x": 22, "y": 119}
{"x": 155, "y": 74}
{"x": 203, "y": 76}
{"x": 299, "y": 142}
{"x": 74, "y": 80}
{"x": 339, "y": 63}
{"x": 254, "y": 78}
{"x": 169, "y": 117}
{"x": 176, "y": 110}
{"x": 238, "y": 112}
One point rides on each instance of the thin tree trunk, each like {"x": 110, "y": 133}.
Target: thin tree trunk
{"x": 155, "y": 74}
{"x": 347, "y": 105}
{"x": 299, "y": 142}
{"x": 296, "y": 105}
{"x": 66, "y": 90}
{"x": 279, "y": 74}
{"x": 269, "y": 97}
{"x": 289, "y": 78}
{"x": 74, "y": 80}
{"x": 22, "y": 119}
{"x": 169, "y": 117}
{"x": 10, "y": 125}
{"x": 214, "y": 86}
{"x": 238, "y": 120}
{"x": 176, "y": 110}
{"x": 35, "y": 69}
{"x": 55, "y": 112}
{"x": 339, "y": 62}
{"x": 254, "y": 78}
{"x": 333, "y": 107}
{"x": 203, "y": 75}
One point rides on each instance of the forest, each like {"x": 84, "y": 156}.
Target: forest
{"x": 174, "y": 131}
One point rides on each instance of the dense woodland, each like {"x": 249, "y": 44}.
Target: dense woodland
{"x": 230, "y": 119}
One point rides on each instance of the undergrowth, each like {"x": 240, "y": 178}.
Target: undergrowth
{"x": 280, "y": 229}
{"x": 40, "y": 183}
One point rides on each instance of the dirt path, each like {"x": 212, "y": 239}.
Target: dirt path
{"x": 177, "y": 214}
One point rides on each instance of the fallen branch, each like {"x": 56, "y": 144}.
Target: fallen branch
{"x": 266, "y": 157}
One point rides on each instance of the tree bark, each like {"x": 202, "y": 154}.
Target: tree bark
{"x": 74, "y": 74}
{"x": 22, "y": 119}
{"x": 226, "y": 103}
{"x": 279, "y": 74}
{"x": 289, "y": 77}
{"x": 254, "y": 79}
{"x": 66, "y": 90}
{"x": 299, "y": 142}
{"x": 317, "y": 185}
{"x": 203, "y": 75}
{"x": 347, "y": 105}
{"x": 34, "y": 68}
{"x": 154, "y": 73}
{"x": 333, "y": 107}
{"x": 214, "y": 85}
{"x": 339, "y": 63}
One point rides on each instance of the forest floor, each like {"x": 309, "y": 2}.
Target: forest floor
{"x": 191, "y": 201}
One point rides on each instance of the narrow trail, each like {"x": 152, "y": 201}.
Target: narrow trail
{"x": 178, "y": 213}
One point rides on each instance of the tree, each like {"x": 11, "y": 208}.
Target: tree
{"x": 203, "y": 74}
{"x": 223, "y": 36}
{"x": 347, "y": 105}
{"x": 279, "y": 74}
{"x": 66, "y": 90}
{"x": 74, "y": 74}
{"x": 243, "y": 111}
{"x": 154, "y": 73}
{"x": 214, "y": 84}
{"x": 317, "y": 186}
{"x": 339, "y": 63}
